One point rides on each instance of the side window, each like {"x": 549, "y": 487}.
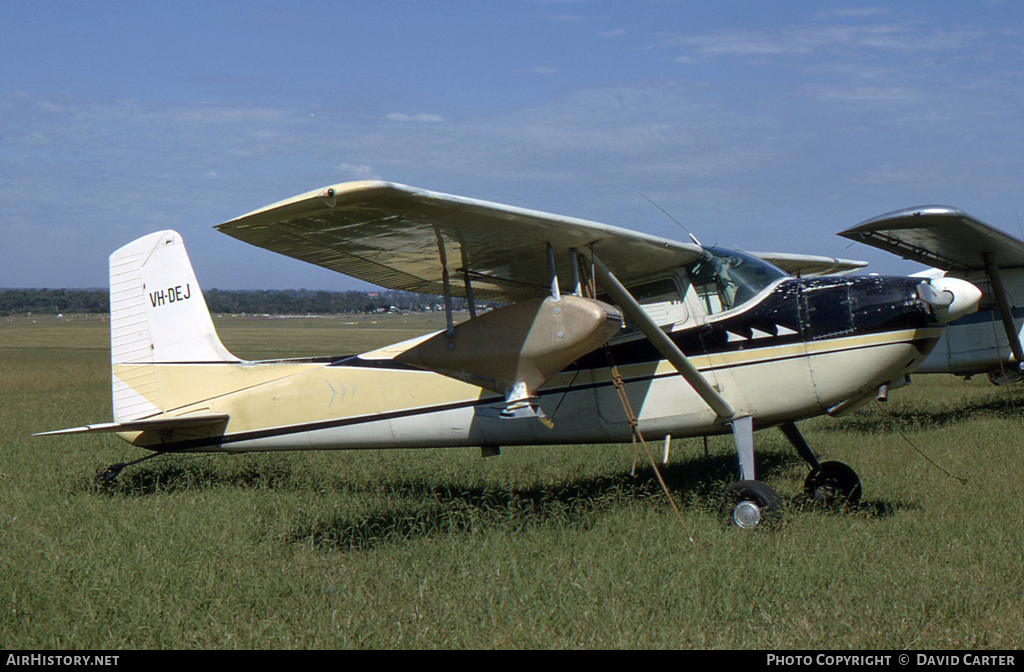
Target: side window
{"x": 658, "y": 291}
{"x": 660, "y": 299}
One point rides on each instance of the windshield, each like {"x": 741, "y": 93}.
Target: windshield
{"x": 725, "y": 279}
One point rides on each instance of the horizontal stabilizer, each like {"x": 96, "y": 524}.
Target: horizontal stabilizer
{"x": 941, "y": 237}
{"x": 155, "y": 424}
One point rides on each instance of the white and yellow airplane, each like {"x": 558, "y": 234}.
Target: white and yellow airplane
{"x": 699, "y": 340}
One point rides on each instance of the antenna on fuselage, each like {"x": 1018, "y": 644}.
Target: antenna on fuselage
{"x": 692, "y": 237}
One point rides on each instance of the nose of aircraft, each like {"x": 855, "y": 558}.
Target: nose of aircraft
{"x": 950, "y": 298}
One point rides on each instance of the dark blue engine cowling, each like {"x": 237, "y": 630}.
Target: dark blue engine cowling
{"x": 796, "y": 310}
{"x": 831, "y": 307}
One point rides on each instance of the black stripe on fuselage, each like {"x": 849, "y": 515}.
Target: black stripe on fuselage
{"x": 795, "y": 311}
{"x": 183, "y": 446}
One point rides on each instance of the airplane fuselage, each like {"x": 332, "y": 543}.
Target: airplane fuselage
{"x": 800, "y": 348}
{"x": 977, "y": 343}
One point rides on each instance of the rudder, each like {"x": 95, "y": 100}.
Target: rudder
{"x": 157, "y": 316}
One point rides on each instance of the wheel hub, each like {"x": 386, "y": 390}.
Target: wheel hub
{"x": 747, "y": 514}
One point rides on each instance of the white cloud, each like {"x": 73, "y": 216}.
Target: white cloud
{"x": 831, "y": 38}
{"x": 421, "y": 117}
{"x": 866, "y": 94}
{"x": 358, "y": 171}
{"x": 833, "y": 144}
{"x": 854, "y": 13}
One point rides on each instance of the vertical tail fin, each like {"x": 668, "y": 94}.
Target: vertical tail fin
{"x": 157, "y": 315}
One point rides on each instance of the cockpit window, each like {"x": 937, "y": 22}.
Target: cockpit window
{"x": 724, "y": 279}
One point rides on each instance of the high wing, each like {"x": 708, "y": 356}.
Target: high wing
{"x": 810, "y": 265}
{"x": 410, "y": 239}
{"x": 941, "y": 237}
{"x": 403, "y": 238}
{"x": 951, "y": 240}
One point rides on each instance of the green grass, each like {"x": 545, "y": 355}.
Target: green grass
{"x": 541, "y": 547}
{"x": 265, "y": 338}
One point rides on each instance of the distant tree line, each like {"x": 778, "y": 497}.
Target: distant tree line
{"x": 42, "y": 301}
{"x": 308, "y": 302}
{"x": 250, "y": 302}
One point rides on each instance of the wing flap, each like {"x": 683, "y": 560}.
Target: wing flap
{"x": 400, "y": 237}
{"x": 939, "y": 236}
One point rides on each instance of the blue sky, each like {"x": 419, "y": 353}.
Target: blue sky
{"x": 757, "y": 125}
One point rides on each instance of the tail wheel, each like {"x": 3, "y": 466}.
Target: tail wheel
{"x": 833, "y": 483}
{"x": 750, "y": 504}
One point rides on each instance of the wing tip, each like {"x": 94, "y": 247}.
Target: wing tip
{"x": 905, "y": 217}
{"x": 328, "y": 195}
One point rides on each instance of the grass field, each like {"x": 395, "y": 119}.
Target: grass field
{"x": 540, "y": 547}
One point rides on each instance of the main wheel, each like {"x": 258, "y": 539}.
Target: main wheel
{"x": 833, "y": 483}
{"x": 750, "y": 504}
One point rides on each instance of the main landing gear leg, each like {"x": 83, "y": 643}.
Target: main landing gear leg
{"x": 828, "y": 483}
{"x": 749, "y": 503}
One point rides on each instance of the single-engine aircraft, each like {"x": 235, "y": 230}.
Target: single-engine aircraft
{"x": 698, "y": 340}
{"x": 954, "y": 244}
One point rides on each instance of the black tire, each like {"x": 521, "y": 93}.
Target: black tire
{"x": 750, "y": 504}
{"x": 833, "y": 483}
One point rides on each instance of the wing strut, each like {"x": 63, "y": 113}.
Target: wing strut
{"x": 992, "y": 270}
{"x": 445, "y": 284}
{"x": 577, "y": 288}
{"x": 660, "y": 340}
{"x": 556, "y": 294}
{"x": 470, "y": 301}
{"x": 742, "y": 425}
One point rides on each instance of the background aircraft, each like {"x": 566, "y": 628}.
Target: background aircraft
{"x": 958, "y": 245}
{"x": 606, "y": 335}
